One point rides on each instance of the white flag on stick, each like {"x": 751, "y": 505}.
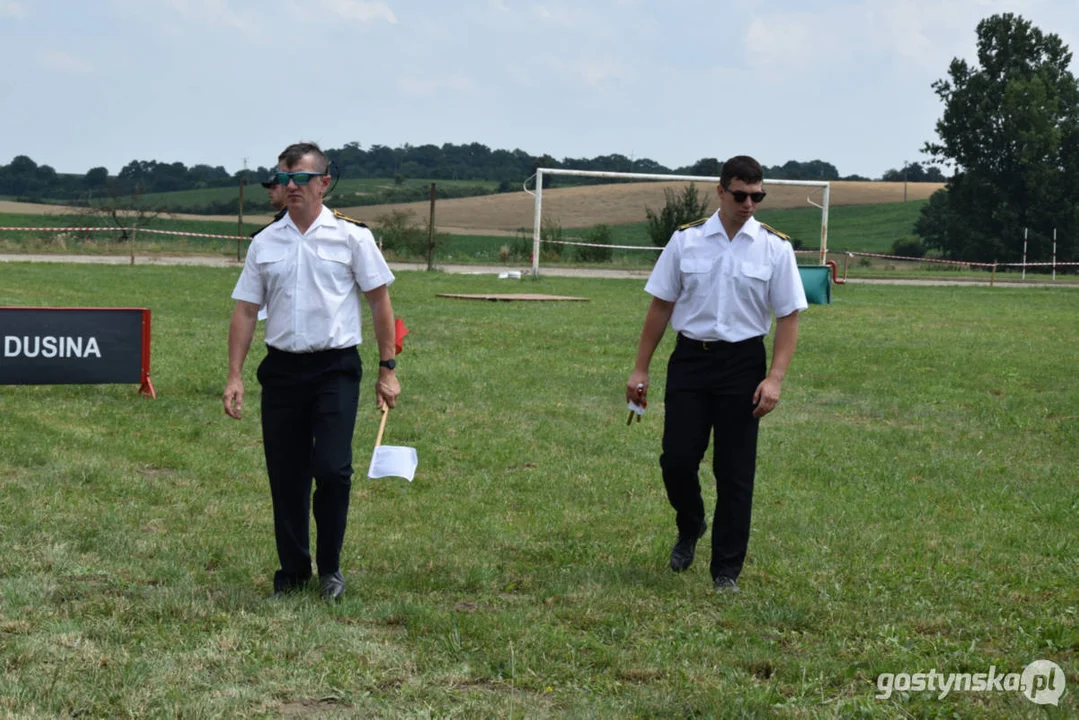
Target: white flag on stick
{"x": 391, "y": 460}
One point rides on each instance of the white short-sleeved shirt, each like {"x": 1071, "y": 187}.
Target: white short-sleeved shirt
{"x": 727, "y": 290}
{"x": 310, "y": 282}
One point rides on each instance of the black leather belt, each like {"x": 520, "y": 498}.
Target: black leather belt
{"x": 708, "y": 345}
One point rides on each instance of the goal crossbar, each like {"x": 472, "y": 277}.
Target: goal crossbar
{"x": 538, "y": 194}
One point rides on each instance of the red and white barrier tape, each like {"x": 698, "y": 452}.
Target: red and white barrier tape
{"x": 601, "y": 245}
{"x": 968, "y": 263}
{"x": 921, "y": 259}
{"x": 183, "y": 233}
{"x": 119, "y": 229}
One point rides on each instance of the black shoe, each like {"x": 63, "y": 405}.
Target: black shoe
{"x": 726, "y": 585}
{"x": 331, "y": 586}
{"x": 287, "y": 584}
{"x": 684, "y": 549}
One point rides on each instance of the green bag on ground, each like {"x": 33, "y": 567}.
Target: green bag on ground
{"x": 817, "y": 283}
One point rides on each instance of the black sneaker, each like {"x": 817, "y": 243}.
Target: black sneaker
{"x": 331, "y": 586}
{"x": 685, "y": 548}
{"x": 726, "y": 585}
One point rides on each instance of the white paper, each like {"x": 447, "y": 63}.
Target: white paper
{"x": 393, "y": 461}
{"x": 636, "y": 408}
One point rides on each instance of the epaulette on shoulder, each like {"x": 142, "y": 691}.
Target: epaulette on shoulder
{"x": 775, "y": 232}
{"x": 341, "y": 216}
{"x": 695, "y": 223}
{"x": 280, "y": 214}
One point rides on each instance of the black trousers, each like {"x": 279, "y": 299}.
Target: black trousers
{"x": 309, "y": 403}
{"x": 710, "y": 389}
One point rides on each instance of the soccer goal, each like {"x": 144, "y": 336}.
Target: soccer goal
{"x": 814, "y": 185}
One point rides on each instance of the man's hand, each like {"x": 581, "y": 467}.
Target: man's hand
{"x": 766, "y": 397}
{"x": 234, "y": 398}
{"x": 387, "y": 388}
{"x": 637, "y": 388}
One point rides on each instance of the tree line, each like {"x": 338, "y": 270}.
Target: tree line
{"x": 24, "y": 179}
{"x": 1011, "y": 129}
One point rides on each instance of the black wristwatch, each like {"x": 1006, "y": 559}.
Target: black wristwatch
{"x": 388, "y": 364}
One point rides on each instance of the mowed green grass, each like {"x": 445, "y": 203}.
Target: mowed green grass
{"x": 915, "y": 509}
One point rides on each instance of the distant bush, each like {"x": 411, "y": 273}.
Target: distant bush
{"x": 680, "y": 208}
{"x": 398, "y": 233}
{"x": 521, "y": 247}
{"x": 599, "y": 235}
{"x": 551, "y": 239}
{"x": 909, "y": 247}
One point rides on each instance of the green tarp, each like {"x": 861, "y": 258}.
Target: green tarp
{"x": 816, "y": 279}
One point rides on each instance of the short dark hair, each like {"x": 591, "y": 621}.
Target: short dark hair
{"x": 296, "y": 152}
{"x": 742, "y": 167}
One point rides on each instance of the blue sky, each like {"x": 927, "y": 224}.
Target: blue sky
{"x": 104, "y": 82}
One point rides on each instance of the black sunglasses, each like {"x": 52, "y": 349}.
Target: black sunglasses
{"x": 740, "y": 196}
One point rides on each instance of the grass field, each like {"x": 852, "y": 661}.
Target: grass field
{"x": 915, "y": 510}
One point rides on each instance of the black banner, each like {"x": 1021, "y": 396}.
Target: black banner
{"x": 67, "y": 346}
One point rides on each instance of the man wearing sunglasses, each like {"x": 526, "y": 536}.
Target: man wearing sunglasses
{"x": 309, "y": 268}
{"x": 717, "y": 283}
{"x": 277, "y": 196}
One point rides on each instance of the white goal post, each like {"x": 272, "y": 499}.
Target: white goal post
{"x": 538, "y": 194}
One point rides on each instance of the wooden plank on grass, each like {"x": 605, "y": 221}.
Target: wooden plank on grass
{"x": 513, "y": 296}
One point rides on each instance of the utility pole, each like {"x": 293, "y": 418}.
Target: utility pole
{"x": 906, "y": 165}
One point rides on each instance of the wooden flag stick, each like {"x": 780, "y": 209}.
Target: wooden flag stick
{"x": 382, "y": 425}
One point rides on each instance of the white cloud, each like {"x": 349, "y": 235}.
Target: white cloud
{"x": 499, "y": 5}
{"x": 319, "y": 12}
{"x": 216, "y": 13}
{"x": 414, "y": 85}
{"x": 10, "y": 8}
{"x": 597, "y": 72}
{"x": 59, "y": 61}
{"x": 556, "y": 15}
{"x": 360, "y": 10}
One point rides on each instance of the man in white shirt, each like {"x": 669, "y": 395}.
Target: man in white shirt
{"x": 308, "y": 268}
{"x": 717, "y": 283}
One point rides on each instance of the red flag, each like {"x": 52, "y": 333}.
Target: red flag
{"x": 399, "y": 335}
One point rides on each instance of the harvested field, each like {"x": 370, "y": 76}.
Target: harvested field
{"x": 573, "y": 207}
{"x": 617, "y": 204}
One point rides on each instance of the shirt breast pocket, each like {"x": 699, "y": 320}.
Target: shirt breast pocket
{"x": 752, "y": 280}
{"x": 271, "y": 262}
{"x": 695, "y": 272}
{"x": 336, "y": 262}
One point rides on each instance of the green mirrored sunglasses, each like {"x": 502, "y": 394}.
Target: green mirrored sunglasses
{"x": 300, "y": 178}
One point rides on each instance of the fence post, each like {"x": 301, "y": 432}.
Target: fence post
{"x": 134, "y": 230}
{"x": 431, "y": 233}
{"x": 1054, "y": 253}
{"x": 240, "y": 220}
{"x": 1025, "y": 231}
{"x": 993, "y": 275}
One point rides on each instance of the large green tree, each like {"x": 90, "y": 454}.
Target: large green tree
{"x": 1010, "y": 128}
